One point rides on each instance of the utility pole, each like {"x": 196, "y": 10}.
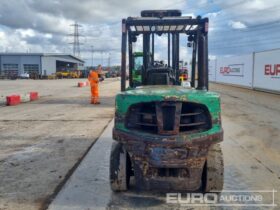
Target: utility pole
{"x": 92, "y": 56}
{"x": 76, "y": 41}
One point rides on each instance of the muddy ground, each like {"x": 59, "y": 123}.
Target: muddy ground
{"x": 41, "y": 142}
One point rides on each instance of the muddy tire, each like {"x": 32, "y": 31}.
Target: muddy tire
{"x": 213, "y": 174}
{"x": 119, "y": 168}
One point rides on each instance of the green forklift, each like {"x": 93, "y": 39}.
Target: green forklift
{"x": 166, "y": 135}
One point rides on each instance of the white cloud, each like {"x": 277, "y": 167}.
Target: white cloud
{"x": 237, "y": 25}
{"x": 250, "y": 11}
{"x": 2, "y": 35}
{"x": 189, "y": 15}
{"x": 25, "y": 32}
{"x": 48, "y": 36}
{"x": 44, "y": 25}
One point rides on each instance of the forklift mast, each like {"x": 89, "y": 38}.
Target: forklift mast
{"x": 172, "y": 23}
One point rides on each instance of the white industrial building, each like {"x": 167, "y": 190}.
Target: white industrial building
{"x": 41, "y": 64}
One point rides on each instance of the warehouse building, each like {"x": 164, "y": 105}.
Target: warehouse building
{"x": 38, "y": 64}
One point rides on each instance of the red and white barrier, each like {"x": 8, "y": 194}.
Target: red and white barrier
{"x": 83, "y": 84}
{"x": 24, "y": 97}
{"x": 34, "y": 96}
{"x": 13, "y": 100}
{"x": 2, "y": 100}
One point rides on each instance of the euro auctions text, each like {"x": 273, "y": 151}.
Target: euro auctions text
{"x": 260, "y": 198}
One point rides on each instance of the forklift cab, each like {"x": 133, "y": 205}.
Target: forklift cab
{"x": 168, "y": 24}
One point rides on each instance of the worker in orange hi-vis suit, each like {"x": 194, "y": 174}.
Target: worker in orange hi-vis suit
{"x": 94, "y": 80}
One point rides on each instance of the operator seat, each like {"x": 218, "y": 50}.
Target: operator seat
{"x": 160, "y": 76}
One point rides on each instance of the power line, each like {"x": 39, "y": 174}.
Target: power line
{"x": 243, "y": 40}
{"x": 257, "y": 33}
{"x": 257, "y": 26}
{"x": 76, "y": 41}
{"x": 242, "y": 16}
{"x": 243, "y": 45}
{"x": 245, "y": 36}
{"x": 255, "y": 40}
{"x": 208, "y": 5}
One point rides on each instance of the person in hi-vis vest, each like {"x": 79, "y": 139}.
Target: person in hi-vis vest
{"x": 94, "y": 81}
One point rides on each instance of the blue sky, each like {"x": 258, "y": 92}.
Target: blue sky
{"x": 236, "y": 27}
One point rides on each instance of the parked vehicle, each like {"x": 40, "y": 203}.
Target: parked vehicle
{"x": 24, "y": 76}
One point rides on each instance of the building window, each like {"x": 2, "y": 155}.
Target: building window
{"x": 31, "y": 68}
{"x": 10, "y": 69}
{"x": 10, "y": 66}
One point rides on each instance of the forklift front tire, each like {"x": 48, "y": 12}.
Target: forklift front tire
{"x": 119, "y": 168}
{"x": 213, "y": 174}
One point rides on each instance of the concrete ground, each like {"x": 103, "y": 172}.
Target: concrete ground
{"x": 42, "y": 142}
{"x": 251, "y": 154}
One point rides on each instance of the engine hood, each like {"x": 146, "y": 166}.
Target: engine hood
{"x": 166, "y": 90}
{"x": 166, "y": 93}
